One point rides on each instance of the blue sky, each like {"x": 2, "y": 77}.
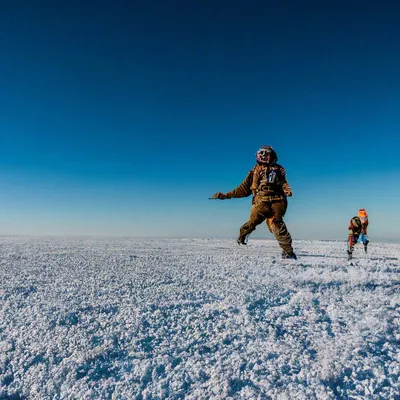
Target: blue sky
{"x": 123, "y": 118}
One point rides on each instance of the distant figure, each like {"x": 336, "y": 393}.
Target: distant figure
{"x": 363, "y": 238}
{"x": 356, "y": 229}
{"x": 269, "y": 187}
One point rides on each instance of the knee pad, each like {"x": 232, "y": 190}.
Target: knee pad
{"x": 276, "y": 225}
{"x": 269, "y": 224}
{"x": 277, "y": 222}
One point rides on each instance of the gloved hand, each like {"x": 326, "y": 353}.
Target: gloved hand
{"x": 287, "y": 190}
{"x": 219, "y": 196}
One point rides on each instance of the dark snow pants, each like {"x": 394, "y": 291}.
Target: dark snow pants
{"x": 272, "y": 213}
{"x": 354, "y": 239}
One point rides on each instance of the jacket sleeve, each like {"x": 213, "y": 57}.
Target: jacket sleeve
{"x": 285, "y": 185}
{"x": 243, "y": 190}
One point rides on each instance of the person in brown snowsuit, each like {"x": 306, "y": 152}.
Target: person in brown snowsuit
{"x": 269, "y": 187}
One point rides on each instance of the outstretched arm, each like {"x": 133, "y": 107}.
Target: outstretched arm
{"x": 243, "y": 190}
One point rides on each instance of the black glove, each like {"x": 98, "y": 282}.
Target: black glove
{"x": 287, "y": 190}
{"x": 219, "y": 196}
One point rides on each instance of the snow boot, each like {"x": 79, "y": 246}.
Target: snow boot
{"x": 289, "y": 255}
{"x": 242, "y": 239}
{"x": 349, "y": 255}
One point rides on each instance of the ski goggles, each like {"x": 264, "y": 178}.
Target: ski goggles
{"x": 264, "y": 152}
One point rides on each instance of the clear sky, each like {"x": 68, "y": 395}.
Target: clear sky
{"x": 123, "y": 117}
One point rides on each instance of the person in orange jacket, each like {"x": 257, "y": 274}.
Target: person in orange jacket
{"x": 363, "y": 238}
{"x": 357, "y": 232}
{"x": 354, "y": 233}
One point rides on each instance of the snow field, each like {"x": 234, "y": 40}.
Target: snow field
{"x": 197, "y": 319}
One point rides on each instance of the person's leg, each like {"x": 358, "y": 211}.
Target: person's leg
{"x": 258, "y": 213}
{"x": 353, "y": 239}
{"x": 365, "y": 241}
{"x": 278, "y": 227}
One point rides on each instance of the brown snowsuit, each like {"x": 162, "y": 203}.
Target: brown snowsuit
{"x": 269, "y": 187}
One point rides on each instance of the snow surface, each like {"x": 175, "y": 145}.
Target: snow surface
{"x": 197, "y": 319}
